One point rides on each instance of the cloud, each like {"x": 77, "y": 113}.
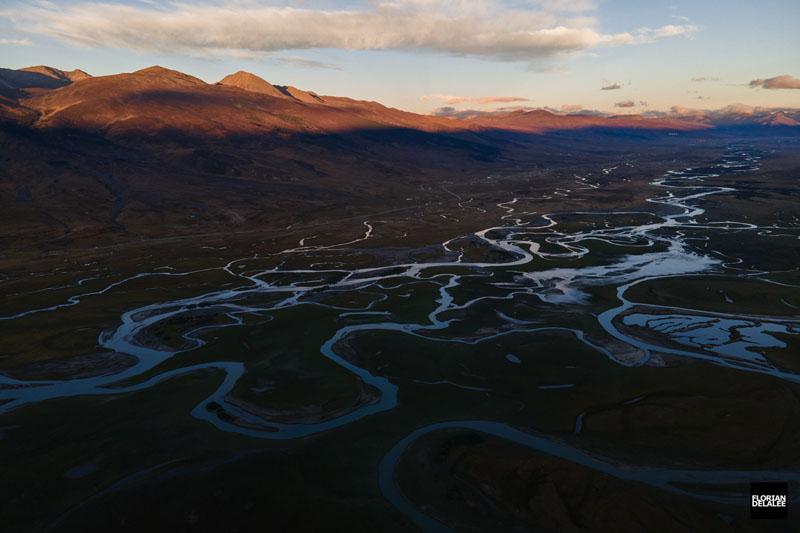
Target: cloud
{"x": 446, "y": 111}
{"x": 452, "y": 112}
{"x": 251, "y": 55}
{"x": 486, "y": 100}
{"x": 306, "y": 63}
{"x": 611, "y": 87}
{"x": 778, "y": 82}
{"x": 451, "y": 100}
{"x": 571, "y": 108}
{"x": 625, "y": 103}
{"x": 740, "y": 109}
{"x": 446, "y": 98}
{"x": 575, "y": 6}
{"x": 495, "y": 29}
{"x": 547, "y": 68}
{"x": 642, "y": 103}
{"x": 16, "y": 42}
{"x": 687, "y": 111}
{"x": 700, "y": 79}
{"x": 670, "y": 30}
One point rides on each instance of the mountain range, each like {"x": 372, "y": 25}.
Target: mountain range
{"x": 157, "y": 99}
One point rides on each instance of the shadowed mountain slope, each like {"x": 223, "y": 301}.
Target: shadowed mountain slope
{"x": 39, "y": 77}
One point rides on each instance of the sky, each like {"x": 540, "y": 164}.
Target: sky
{"x": 620, "y": 56}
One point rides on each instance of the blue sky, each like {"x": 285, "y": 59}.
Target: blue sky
{"x": 422, "y": 54}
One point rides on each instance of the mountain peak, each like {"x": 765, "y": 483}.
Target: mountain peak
{"x": 62, "y": 76}
{"x": 781, "y": 119}
{"x": 250, "y": 82}
{"x": 154, "y": 69}
{"x": 166, "y": 74}
{"x": 244, "y": 75}
{"x": 44, "y": 70}
{"x": 77, "y": 74}
{"x": 299, "y": 94}
{"x": 24, "y": 79}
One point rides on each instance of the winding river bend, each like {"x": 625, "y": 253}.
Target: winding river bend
{"x": 523, "y": 239}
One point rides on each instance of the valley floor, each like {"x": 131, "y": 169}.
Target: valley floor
{"x": 604, "y": 345}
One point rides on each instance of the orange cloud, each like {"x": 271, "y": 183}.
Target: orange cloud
{"x": 452, "y": 100}
{"x": 499, "y": 100}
